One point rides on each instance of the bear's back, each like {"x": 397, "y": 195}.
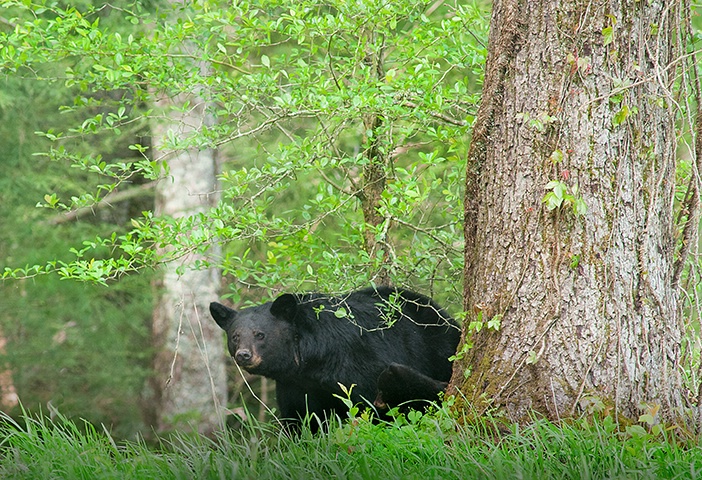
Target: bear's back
{"x": 351, "y": 338}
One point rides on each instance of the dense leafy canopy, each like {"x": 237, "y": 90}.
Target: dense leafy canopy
{"x": 288, "y": 86}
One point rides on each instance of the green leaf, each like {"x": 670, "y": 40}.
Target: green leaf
{"x": 531, "y": 358}
{"x": 621, "y": 116}
{"x": 554, "y": 198}
{"x": 495, "y": 322}
{"x": 52, "y": 200}
{"x": 647, "y": 418}
{"x": 574, "y": 261}
{"x": 556, "y": 156}
{"x": 637, "y": 431}
{"x": 579, "y": 206}
{"x": 272, "y": 259}
{"x": 552, "y": 184}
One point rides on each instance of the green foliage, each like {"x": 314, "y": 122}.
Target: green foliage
{"x": 559, "y": 195}
{"x": 289, "y": 87}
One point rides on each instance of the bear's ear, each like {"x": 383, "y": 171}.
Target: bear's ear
{"x": 396, "y": 369}
{"x": 223, "y": 315}
{"x": 284, "y": 307}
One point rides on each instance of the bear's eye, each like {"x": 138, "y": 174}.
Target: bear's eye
{"x": 235, "y": 337}
{"x": 259, "y": 335}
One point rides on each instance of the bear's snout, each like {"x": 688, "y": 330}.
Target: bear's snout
{"x": 248, "y": 359}
{"x": 243, "y": 357}
{"x": 379, "y": 403}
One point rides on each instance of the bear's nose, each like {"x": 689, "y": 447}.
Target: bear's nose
{"x": 243, "y": 356}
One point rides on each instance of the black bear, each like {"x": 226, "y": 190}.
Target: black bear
{"x": 404, "y": 387}
{"x": 311, "y": 343}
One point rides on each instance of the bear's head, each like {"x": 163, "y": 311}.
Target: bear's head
{"x": 262, "y": 339}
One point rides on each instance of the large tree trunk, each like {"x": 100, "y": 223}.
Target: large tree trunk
{"x": 190, "y": 378}
{"x": 583, "y": 303}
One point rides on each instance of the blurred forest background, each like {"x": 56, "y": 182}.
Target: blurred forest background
{"x": 319, "y": 114}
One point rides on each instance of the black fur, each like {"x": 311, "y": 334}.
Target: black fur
{"x": 312, "y": 342}
{"x": 404, "y": 387}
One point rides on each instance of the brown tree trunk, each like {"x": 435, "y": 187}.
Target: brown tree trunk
{"x": 375, "y": 233}
{"x": 577, "y": 306}
{"x": 189, "y": 379}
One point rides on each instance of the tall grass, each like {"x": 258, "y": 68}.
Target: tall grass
{"x": 424, "y": 447}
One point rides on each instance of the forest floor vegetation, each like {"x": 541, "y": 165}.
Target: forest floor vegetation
{"x": 426, "y": 446}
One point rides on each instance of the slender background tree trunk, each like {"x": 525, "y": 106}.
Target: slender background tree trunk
{"x": 578, "y": 307}
{"x": 375, "y": 176}
{"x": 190, "y": 378}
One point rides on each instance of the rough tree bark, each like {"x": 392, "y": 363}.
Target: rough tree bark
{"x": 190, "y": 379}
{"x": 583, "y": 303}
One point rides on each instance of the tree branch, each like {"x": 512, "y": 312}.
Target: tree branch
{"x": 440, "y": 116}
{"x": 114, "y": 197}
